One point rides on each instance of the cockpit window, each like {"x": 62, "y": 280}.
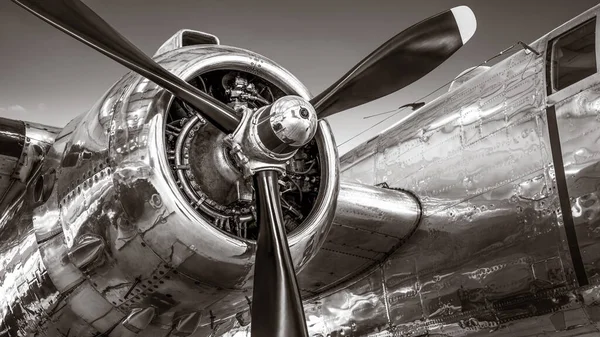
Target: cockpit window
{"x": 572, "y": 56}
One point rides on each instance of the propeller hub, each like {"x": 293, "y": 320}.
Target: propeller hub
{"x": 268, "y": 137}
{"x": 289, "y": 123}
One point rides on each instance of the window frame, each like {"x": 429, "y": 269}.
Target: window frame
{"x": 579, "y": 86}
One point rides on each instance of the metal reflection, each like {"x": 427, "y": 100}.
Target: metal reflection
{"x": 490, "y": 249}
{"x": 447, "y": 224}
{"x": 113, "y": 235}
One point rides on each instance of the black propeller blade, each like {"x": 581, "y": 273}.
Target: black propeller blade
{"x": 76, "y": 19}
{"x": 399, "y": 62}
{"x": 277, "y": 306}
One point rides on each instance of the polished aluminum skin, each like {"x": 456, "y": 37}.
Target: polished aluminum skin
{"x": 23, "y": 146}
{"x": 446, "y": 224}
{"x": 184, "y": 38}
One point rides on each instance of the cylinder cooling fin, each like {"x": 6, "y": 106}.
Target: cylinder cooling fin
{"x": 207, "y": 175}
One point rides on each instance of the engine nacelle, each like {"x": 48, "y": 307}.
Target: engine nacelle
{"x": 148, "y": 211}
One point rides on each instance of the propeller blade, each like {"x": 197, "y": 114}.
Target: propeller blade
{"x": 400, "y": 61}
{"x": 276, "y": 302}
{"x": 76, "y": 19}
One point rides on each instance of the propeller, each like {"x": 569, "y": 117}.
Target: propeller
{"x": 277, "y": 305}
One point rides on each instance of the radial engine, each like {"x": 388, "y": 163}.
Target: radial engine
{"x": 141, "y": 212}
{"x": 147, "y": 197}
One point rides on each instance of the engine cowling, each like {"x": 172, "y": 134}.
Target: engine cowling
{"x": 149, "y": 224}
{"x": 140, "y": 154}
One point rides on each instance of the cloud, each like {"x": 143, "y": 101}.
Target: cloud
{"x": 19, "y": 112}
{"x": 13, "y": 108}
{"x": 16, "y": 108}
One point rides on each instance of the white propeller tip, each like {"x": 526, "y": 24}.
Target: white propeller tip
{"x": 466, "y": 21}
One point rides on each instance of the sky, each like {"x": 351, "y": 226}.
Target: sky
{"x": 49, "y": 78}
